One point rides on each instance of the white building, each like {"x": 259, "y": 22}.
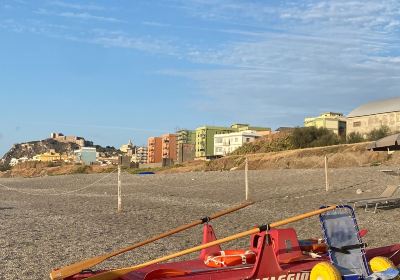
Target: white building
{"x": 86, "y": 155}
{"x": 15, "y": 161}
{"x": 227, "y": 143}
{"x": 140, "y": 155}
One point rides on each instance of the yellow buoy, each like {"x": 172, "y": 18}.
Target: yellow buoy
{"x": 378, "y": 264}
{"x": 325, "y": 271}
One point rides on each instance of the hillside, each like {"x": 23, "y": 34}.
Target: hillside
{"x": 29, "y": 149}
{"x": 32, "y": 148}
{"x": 339, "y": 156}
{"x": 270, "y": 143}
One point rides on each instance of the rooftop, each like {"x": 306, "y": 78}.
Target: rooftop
{"x": 377, "y": 107}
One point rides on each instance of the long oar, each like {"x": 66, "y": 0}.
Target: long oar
{"x": 75, "y": 268}
{"x": 114, "y": 274}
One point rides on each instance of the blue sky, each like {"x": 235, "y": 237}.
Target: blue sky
{"x": 114, "y": 70}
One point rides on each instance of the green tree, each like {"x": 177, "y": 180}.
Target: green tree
{"x": 306, "y": 137}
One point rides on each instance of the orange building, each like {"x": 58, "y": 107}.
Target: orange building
{"x": 154, "y": 152}
{"x": 169, "y": 146}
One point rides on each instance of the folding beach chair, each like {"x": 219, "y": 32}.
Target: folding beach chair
{"x": 387, "y": 193}
{"x": 345, "y": 247}
{"x": 383, "y": 202}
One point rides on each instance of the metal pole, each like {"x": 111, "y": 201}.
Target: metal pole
{"x": 326, "y": 174}
{"x": 119, "y": 189}
{"x": 246, "y": 179}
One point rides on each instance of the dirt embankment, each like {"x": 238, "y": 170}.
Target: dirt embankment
{"x": 339, "y": 156}
{"x": 39, "y": 169}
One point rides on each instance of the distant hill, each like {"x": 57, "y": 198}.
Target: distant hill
{"x": 32, "y": 148}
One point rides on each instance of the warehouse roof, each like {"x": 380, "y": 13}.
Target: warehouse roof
{"x": 377, "y": 107}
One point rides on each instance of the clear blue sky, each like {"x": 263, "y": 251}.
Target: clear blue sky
{"x": 114, "y": 70}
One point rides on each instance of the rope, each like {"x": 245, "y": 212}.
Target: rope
{"x": 312, "y": 190}
{"x": 61, "y": 193}
{"x": 188, "y": 186}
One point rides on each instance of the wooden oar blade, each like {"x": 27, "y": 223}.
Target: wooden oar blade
{"x": 66, "y": 271}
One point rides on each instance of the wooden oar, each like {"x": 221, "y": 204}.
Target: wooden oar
{"x": 114, "y": 274}
{"x": 75, "y": 268}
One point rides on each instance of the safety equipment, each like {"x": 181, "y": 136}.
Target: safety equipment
{"x": 325, "y": 271}
{"x": 230, "y": 258}
{"x": 378, "y": 264}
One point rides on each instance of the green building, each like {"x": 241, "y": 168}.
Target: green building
{"x": 205, "y": 140}
{"x": 205, "y": 137}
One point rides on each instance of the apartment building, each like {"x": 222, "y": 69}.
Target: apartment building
{"x": 140, "y": 155}
{"x": 245, "y": 127}
{"x": 225, "y": 144}
{"x": 86, "y": 155}
{"x": 154, "y": 150}
{"x": 334, "y": 122}
{"x": 205, "y": 140}
{"x": 185, "y": 145}
{"x": 169, "y": 146}
{"x": 205, "y": 137}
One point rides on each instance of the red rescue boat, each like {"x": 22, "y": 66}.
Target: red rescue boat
{"x": 274, "y": 254}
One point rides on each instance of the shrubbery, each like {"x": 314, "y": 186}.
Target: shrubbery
{"x": 81, "y": 169}
{"x": 300, "y": 137}
{"x": 272, "y": 143}
{"x": 4, "y": 167}
{"x": 307, "y": 137}
{"x": 378, "y": 133}
{"x": 354, "y": 137}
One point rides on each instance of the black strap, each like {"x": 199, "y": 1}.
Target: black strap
{"x": 345, "y": 249}
{"x": 266, "y": 227}
{"x": 355, "y": 246}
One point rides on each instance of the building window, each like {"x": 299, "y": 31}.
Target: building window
{"x": 356, "y": 124}
{"x": 247, "y": 139}
{"x": 218, "y": 140}
{"x": 236, "y": 139}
